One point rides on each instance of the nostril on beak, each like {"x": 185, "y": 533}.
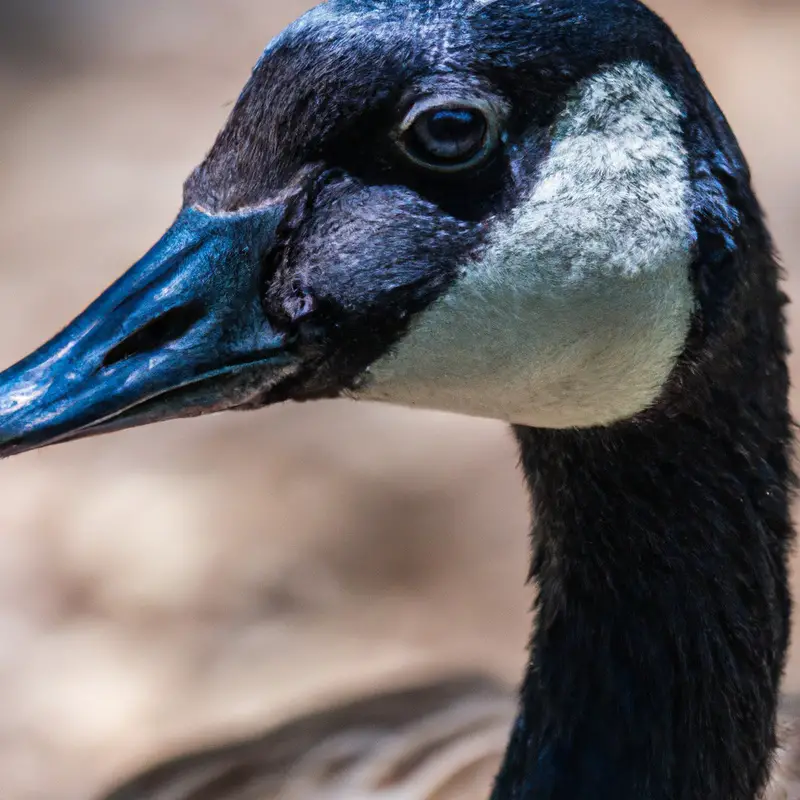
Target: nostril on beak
{"x": 169, "y": 327}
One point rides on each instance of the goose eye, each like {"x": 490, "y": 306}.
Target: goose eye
{"x": 451, "y": 134}
{"x": 448, "y": 138}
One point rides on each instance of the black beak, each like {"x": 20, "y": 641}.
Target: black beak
{"x": 182, "y": 333}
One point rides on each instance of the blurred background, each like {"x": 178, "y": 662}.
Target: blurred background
{"x": 178, "y": 585}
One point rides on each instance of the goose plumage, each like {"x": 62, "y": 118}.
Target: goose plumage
{"x": 532, "y": 210}
{"x": 440, "y": 740}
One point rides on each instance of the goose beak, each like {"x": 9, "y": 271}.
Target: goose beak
{"x": 182, "y": 333}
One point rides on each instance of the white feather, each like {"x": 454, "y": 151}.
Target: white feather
{"x": 580, "y": 305}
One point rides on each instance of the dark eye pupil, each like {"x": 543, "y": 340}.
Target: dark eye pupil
{"x": 453, "y": 125}
{"x": 451, "y": 134}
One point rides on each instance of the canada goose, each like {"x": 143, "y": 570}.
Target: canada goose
{"x": 533, "y": 211}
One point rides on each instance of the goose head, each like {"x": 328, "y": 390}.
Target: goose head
{"x": 491, "y": 207}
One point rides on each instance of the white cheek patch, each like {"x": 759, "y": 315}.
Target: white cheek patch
{"x": 580, "y": 305}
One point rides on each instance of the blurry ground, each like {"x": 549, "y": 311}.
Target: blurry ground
{"x": 172, "y": 585}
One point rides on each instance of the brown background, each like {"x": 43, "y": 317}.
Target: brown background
{"x": 170, "y": 586}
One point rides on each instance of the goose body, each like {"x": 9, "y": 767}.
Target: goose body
{"x": 441, "y": 740}
{"x": 531, "y": 210}
{"x": 438, "y": 741}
